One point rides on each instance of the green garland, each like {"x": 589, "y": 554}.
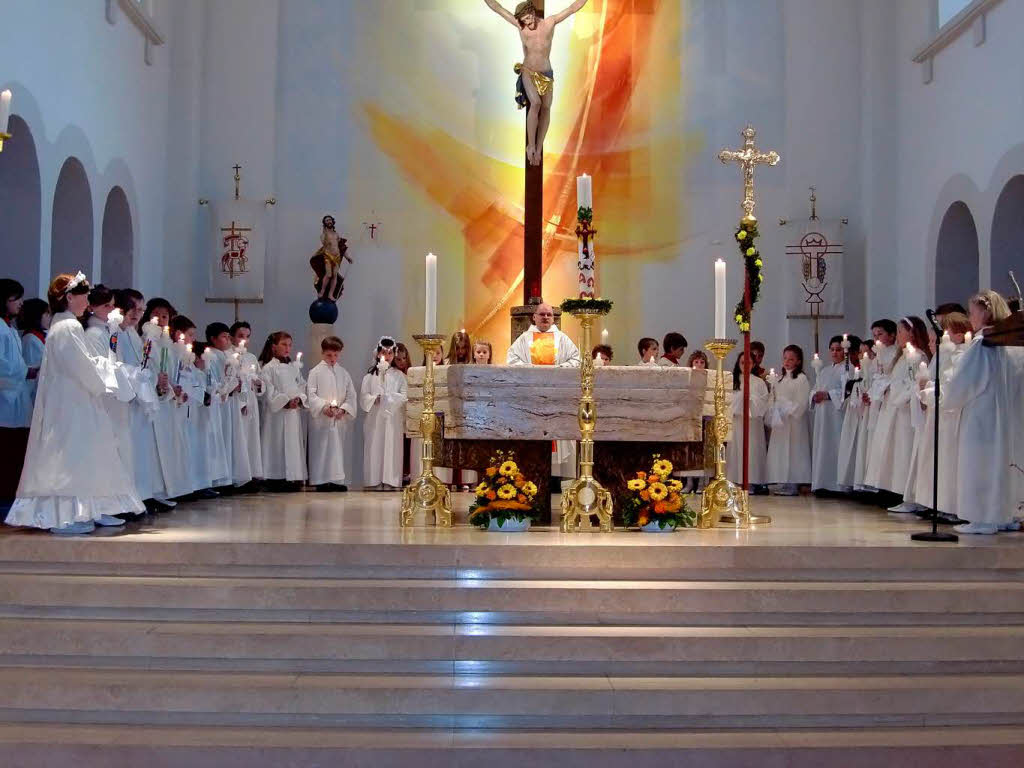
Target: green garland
{"x": 600, "y": 306}
{"x": 746, "y": 235}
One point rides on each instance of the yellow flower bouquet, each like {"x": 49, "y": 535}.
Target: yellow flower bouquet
{"x": 655, "y": 499}
{"x": 504, "y": 495}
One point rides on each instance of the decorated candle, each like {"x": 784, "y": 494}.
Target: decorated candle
{"x": 720, "y": 299}
{"x": 967, "y": 337}
{"x": 430, "y": 311}
{"x": 584, "y": 191}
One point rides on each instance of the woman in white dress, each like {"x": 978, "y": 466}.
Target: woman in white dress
{"x": 987, "y": 387}
{"x": 382, "y": 397}
{"x": 333, "y": 406}
{"x": 284, "y": 431}
{"x": 789, "y": 449}
{"x": 757, "y": 468}
{"x": 74, "y": 477}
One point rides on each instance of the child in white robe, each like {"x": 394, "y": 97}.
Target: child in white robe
{"x": 147, "y": 472}
{"x": 333, "y": 406}
{"x": 958, "y": 326}
{"x": 283, "y": 438}
{"x": 190, "y": 388}
{"x": 15, "y": 392}
{"x": 224, "y": 368}
{"x": 789, "y": 449}
{"x": 987, "y": 386}
{"x": 826, "y": 408}
{"x": 758, "y": 459}
{"x": 382, "y": 396}
{"x": 892, "y": 444}
{"x": 74, "y": 478}
{"x": 247, "y": 399}
{"x": 854, "y": 414}
{"x": 885, "y": 352}
{"x": 212, "y": 416}
{"x": 649, "y": 351}
{"x": 33, "y": 322}
{"x": 171, "y": 442}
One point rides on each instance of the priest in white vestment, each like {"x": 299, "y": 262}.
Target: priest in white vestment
{"x": 543, "y": 344}
{"x": 988, "y": 386}
{"x": 333, "y": 405}
{"x": 827, "y": 412}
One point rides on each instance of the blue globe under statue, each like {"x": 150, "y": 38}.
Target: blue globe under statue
{"x": 323, "y": 311}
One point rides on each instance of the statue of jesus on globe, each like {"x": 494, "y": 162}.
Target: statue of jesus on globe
{"x": 535, "y": 87}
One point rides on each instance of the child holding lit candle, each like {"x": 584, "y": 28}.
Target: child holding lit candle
{"x": 893, "y": 440}
{"x": 789, "y": 449}
{"x": 224, "y": 372}
{"x": 382, "y": 397}
{"x": 247, "y": 399}
{"x": 332, "y": 406}
{"x": 283, "y": 437}
{"x": 189, "y": 385}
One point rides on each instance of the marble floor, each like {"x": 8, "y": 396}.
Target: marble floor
{"x": 372, "y": 518}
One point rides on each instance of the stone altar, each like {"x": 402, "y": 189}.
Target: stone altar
{"x": 640, "y": 411}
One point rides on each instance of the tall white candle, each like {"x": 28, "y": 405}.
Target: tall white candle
{"x": 584, "y": 191}
{"x": 604, "y": 336}
{"x": 719, "y": 299}
{"x": 430, "y": 312}
{"x": 5, "y": 110}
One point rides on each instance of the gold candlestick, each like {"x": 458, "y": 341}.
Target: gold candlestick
{"x": 722, "y": 501}
{"x": 426, "y": 493}
{"x": 586, "y": 496}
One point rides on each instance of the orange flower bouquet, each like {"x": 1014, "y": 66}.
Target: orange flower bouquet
{"x": 654, "y": 500}
{"x": 505, "y": 497}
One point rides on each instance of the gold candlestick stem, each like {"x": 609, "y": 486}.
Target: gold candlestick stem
{"x": 586, "y": 496}
{"x": 722, "y": 501}
{"x": 426, "y": 493}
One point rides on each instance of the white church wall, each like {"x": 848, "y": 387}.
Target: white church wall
{"x": 964, "y": 124}
{"x": 85, "y": 91}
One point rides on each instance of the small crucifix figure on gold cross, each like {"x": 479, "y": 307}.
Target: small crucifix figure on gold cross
{"x": 748, "y": 158}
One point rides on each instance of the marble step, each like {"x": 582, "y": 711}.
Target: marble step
{"x": 591, "y": 556}
{"x": 129, "y": 746}
{"x": 465, "y": 648}
{"x": 469, "y": 601}
{"x": 476, "y": 701}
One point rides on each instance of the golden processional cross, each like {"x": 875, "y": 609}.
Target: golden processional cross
{"x": 748, "y": 158}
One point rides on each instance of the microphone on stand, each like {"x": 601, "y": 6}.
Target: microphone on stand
{"x": 933, "y": 534}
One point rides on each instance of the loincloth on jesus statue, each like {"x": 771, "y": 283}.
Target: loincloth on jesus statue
{"x": 542, "y": 81}
{"x": 322, "y": 262}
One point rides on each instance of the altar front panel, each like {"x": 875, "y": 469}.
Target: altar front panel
{"x": 634, "y": 404}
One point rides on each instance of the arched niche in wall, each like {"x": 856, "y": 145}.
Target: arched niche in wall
{"x": 116, "y": 252}
{"x": 21, "y": 208}
{"x": 72, "y": 227}
{"x": 956, "y": 255}
{"x": 1008, "y": 236}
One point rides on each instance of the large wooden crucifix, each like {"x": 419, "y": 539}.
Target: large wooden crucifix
{"x": 748, "y": 158}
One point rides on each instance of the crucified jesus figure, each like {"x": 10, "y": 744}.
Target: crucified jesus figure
{"x": 535, "y": 87}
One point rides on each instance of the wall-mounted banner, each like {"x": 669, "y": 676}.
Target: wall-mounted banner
{"x": 238, "y": 255}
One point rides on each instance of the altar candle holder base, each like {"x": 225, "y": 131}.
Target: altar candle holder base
{"x": 586, "y": 496}
{"x": 426, "y": 493}
{"x": 722, "y": 501}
